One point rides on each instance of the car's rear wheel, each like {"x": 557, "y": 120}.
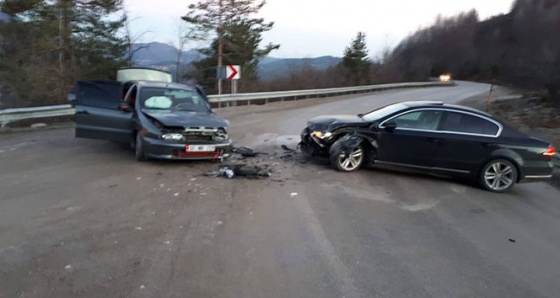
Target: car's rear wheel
{"x": 346, "y": 160}
{"x": 498, "y": 175}
{"x": 139, "y": 149}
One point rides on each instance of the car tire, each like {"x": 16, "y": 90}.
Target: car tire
{"x": 139, "y": 149}
{"x": 498, "y": 175}
{"x": 343, "y": 162}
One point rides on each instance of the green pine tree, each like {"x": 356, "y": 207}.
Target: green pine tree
{"x": 60, "y": 41}
{"x": 236, "y": 37}
{"x": 356, "y": 63}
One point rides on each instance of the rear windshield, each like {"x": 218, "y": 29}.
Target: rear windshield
{"x": 170, "y": 99}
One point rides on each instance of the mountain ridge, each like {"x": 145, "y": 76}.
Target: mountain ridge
{"x": 164, "y": 56}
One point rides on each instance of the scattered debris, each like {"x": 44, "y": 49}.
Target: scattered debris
{"x": 167, "y": 242}
{"x": 138, "y": 228}
{"x": 212, "y": 174}
{"x": 142, "y": 287}
{"x": 286, "y": 148}
{"x": 227, "y": 172}
{"x": 220, "y": 223}
{"x": 243, "y": 170}
{"x": 512, "y": 240}
{"x": 68, "y": 267}
{"x": 293, "y": 194}
{"x": 176, "y": 194}
{"x": 138, "y": 178}
{"x": 247, "y": 152}
{"x": 260, "y": 165}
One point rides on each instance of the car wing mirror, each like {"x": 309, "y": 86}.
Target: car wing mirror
{"x": 390, "y": 126}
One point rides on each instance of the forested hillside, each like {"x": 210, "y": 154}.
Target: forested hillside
{"x": 46, "y": 45}
{"x": 521, "y": 48}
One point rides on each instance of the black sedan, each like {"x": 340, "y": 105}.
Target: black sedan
{"x": 160, "y": 120}
{"x": 434, "y": 137}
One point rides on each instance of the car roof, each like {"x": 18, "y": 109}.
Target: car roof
{"x": 440, "y": 104}
{"x": 161, "y": 84}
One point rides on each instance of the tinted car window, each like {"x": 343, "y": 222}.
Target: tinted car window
{"x": 425, "y": 120}
{"x": 466, "y": 123}
{"x": 100, "y": 94}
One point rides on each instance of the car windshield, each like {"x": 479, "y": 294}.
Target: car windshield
{"x": 171, "y": 99}
{"x": 382, "y": 112}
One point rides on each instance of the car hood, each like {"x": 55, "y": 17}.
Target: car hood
{"x": 187, "y": 119}
{"x": 331, "y": 122}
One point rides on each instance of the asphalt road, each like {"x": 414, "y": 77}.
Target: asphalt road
{"x": 81, "y": 218}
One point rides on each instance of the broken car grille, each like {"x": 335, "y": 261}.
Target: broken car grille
{"x": 198, "y": 133}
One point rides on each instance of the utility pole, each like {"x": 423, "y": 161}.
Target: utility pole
{"x": 220, "y": 44}
{"x": 64, "y": 55}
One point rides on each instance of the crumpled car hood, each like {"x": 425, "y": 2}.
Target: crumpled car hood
{"x": 187, "y": 119}
{"x": 331, "y": 122}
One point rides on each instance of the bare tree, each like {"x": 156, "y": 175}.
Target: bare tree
{"x": 133, "y": 40}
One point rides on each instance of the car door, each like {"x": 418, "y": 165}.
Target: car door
{"x": 414, "y": 141}
{"x": 98, "y": 113}
{"x": 466, "y": 141}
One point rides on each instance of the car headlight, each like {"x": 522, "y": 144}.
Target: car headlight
{"x": 173, "y": 137}
{"x": 321, "y": 135}
{"x": 220, "y": 136}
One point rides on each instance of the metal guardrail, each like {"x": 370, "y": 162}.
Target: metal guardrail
{"x": 12, "y": 115}
{"x": 229, "y": 99}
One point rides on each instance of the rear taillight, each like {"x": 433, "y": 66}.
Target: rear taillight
{"x": 550, "y": 151}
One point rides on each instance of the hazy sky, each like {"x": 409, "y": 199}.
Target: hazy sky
{"x": 313, "y": 28}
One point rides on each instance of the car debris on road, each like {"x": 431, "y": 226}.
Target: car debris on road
{"x": 240, "y": 170}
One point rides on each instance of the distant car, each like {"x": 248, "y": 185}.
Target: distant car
{"x": 160, "y": 119}
{"x": 434, "y": 137}
{"x": 445, "y": 77}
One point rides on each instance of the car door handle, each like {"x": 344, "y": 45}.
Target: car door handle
{"x": 84, "y": 112}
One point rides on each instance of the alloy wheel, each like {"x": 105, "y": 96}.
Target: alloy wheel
{"x": 351, "y": 161}
{"x": 499, "y": 175}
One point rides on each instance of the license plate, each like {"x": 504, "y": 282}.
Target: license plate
{"x": 201, "y": 148}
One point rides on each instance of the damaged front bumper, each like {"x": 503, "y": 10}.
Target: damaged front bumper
{"x": 314, "y": 143}
{"x": 162, "y": 149}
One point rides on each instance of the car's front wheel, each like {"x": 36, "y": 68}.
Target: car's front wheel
{"x": 498, "y": 175}
{"x": 139, "y": 148}
{"x": 346, "y": 160}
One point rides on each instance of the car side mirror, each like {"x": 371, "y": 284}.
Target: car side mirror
{"x": 390, "y": 126}
{"x": 72, "y": 99}
{"x": 124, "y": 107}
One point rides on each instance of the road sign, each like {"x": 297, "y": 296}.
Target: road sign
{"x": 233, "y": 72}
